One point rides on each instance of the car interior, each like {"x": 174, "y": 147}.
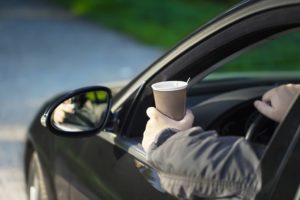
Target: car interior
{"x": 227, "y": 103}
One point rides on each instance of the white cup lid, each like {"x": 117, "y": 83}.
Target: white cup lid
{"x": 169, "y": 85}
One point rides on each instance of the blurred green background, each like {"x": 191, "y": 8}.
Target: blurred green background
{"x": 156, "y": 22}
{"x": 164, "y": 23}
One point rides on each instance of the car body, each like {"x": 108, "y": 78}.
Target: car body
{"x": 111, "y": 163}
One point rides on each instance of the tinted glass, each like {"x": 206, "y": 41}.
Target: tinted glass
{"x": 273, "y": 55}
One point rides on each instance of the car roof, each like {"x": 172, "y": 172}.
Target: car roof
{"x": 238, "y": 12}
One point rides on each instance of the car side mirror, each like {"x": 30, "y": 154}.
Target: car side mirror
{"x": 79, "y": 113}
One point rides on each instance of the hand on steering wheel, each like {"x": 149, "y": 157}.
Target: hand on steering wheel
{"x": 275, "y": 103}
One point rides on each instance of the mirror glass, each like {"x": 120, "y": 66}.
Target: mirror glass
{"x": 83, "y": 112}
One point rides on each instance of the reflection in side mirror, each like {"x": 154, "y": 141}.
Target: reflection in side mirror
{"x": 80, "y": 113}
{"x": 83, "y": 112}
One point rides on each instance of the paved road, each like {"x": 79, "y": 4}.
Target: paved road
{"x": 45, "y": 50}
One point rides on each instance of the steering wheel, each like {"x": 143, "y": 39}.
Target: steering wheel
{"x": 260, "y": 129}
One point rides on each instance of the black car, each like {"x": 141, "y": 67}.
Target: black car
{"x": 231, "y": 61}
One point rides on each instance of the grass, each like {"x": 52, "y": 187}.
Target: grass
{"x": 279, "y": 54}
{"x": 163, "y": 23}
{"x": 156, "y": 22}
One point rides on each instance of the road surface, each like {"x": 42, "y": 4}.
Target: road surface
{"x": 45, "y": 50}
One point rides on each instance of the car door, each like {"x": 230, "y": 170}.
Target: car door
{"x": 112, "y": 165}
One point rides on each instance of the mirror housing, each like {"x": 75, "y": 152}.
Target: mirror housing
{"x": 79, "y": 113}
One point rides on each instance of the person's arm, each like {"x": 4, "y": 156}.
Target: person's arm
{"x": 193, "y": 162}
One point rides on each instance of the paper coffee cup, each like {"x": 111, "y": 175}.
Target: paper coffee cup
{"x": 170, "y": 98}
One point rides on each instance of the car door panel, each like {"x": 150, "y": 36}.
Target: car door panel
{"x": 102, "y": 170}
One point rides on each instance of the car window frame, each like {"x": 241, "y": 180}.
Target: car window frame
{"x": 187, "y": 64}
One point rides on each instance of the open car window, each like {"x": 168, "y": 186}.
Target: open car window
{"x": 271, "y": 62}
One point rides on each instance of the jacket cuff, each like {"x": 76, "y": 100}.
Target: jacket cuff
{"x": 163, "y": 136}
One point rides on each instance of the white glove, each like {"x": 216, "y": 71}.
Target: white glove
{"x": 275, "y": 103}
{"x": 158, "y": 122}
{"x": 60, "y": 112}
